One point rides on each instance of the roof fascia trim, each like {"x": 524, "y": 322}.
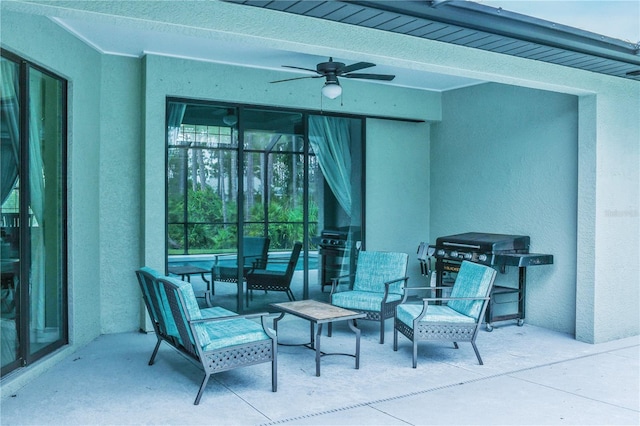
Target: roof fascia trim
{"x": 491, "y": 20}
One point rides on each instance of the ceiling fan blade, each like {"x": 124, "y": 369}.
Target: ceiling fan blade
{"x": 385, "y": 77}
{"x": 300, "y": 68}
{"x": 355, "y": 67}
{"x": 296, "y": 78}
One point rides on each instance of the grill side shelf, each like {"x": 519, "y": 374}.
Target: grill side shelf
{"x": 523, "y": 260}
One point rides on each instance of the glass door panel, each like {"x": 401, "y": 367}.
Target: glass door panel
{"x": 337, "y": 143}
{"x": 10, "y": 198}
{"x": 202, "y": 181}
{"x": 46, "y": 209}
{"x": 202, "y": 191}
{"x": 274, "y": 187}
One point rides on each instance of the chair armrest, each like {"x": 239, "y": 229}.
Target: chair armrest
{"x": 446, "y": 299}
{"x": 423, "y": 288}
{"x": 228, "y": 317}
{"x": 278, "y": 261}
{"x": 262, "y": 315}
{"x": 387, "y": 284}
{"x": 426, "y": 301}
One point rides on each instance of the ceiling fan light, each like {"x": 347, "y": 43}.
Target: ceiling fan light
{"x": 230, "y": 120}
{"x": 331, "y": 90}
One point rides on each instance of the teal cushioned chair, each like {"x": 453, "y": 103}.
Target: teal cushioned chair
{"x": 458, "y": 320}
{"x": 216, "y": 338}
{"x": 377, "y": 286}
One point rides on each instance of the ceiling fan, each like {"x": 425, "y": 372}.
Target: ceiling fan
{"x": 332, "y": 70}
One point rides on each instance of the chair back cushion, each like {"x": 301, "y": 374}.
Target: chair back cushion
{"x": 146, "y": 277}
{"x": 473, "y": 280}
{"x": 374, "y": 268}
{"x": 190, "y": 310}
{"x": 157, "y": 302}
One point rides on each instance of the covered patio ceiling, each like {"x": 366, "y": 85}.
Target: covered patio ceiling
{"x": 458, "y": 22}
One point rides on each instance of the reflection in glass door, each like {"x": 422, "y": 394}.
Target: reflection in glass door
{"x": 276, "y": 165}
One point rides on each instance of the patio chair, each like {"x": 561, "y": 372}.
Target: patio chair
{"x": 216, "y": 338}
{"x": 377, "y": 286}
{"x": 255, "y": 251}
{"x": 156, "y": 302}
{"x": 457, "y": 321}
{"x": 272, "y": 279}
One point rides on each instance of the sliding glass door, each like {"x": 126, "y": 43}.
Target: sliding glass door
{"x": 237, "y": 174}
{"x": 33, "y": 196}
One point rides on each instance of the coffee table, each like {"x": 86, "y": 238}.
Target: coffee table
{"x": 318, "y": 313}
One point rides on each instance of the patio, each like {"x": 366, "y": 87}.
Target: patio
{"x": 531, "y": 376}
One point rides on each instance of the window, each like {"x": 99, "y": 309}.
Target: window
{"x": 33, "y": 211}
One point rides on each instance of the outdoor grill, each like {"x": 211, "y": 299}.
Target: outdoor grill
{"x": 496, "y": 250}
{"x": 338, "y": 252}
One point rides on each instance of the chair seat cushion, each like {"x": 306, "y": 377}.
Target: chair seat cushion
{"x": 216, "y": 312}
{"x": 361, "y": 300}
{"x": 222, "y": 334}
{"x": 229, "y": 273}
{"x": 435, "y": 313}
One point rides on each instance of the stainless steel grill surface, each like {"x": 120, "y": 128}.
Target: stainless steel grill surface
{"x": 489, "y": 249}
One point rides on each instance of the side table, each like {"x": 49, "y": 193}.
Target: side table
{"x": 318, "y": 313}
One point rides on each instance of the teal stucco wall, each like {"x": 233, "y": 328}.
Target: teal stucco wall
{"x": 508, "y": 163}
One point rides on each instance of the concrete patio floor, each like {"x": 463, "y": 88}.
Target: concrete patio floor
{"x": 530, "y": 376}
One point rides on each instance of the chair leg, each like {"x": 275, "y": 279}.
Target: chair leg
{"x": 155, "y": 352}
{"x": 475, "y": 348}
{"x": 415, "y": 354}
{"x": 274, "y": 374}
{"x": 395, "y": 338}
{"x": 202, "y": 386}
{"x": 382, "y": 329}
{"x": 455, "y": 345}
{"x": 329, "y": 329}
{"x": 290, "y": 295}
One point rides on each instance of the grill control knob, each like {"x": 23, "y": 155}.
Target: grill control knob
{"x": 440, "y": 253}
{"x": 482, "y": 257}
{"x": 453, "y": 254}
{"x": 468, "y": 256}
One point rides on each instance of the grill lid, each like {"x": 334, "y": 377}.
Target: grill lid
{"x": 485, "y": 242}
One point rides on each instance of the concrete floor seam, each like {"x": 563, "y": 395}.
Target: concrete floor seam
{"x": 479, "y": 379}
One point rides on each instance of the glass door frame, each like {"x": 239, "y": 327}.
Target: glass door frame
{"x": 25, "y": 356}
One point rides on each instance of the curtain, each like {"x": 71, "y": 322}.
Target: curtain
{"x": 175, "y": 115}
{"x": 11, "y": 145}
{"x": 330, "y": 139}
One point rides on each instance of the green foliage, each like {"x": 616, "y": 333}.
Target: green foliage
{"x": 208, "y": 234}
